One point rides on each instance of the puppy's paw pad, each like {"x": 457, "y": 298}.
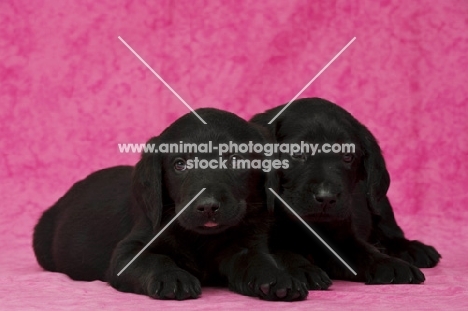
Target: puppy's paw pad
{"x": 174, "y": 284}
{"x": 314, "y": 277}
{"x": 281, "y": 293}
{"x": 415, "y": 252}
{"x": 278, "y": 286}
{"x": 419, "y": 254}
{"x": 265, "y": 288}
{"x": 393, "y": 271}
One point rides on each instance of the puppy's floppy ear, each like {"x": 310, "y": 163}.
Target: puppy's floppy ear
{"x": 147, "y": 185}
{"x": 263, "y": 118}
{"x": 271, "y": 133}
{"x": 272, "y": 180}
{"x": 376, "y": 174}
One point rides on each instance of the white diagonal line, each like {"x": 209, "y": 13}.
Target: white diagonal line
{"x": 315, "y": 233}
{"x": 161, "y": 79}
{"x": 313, "y": 79}
{"x": 160, "y": 232}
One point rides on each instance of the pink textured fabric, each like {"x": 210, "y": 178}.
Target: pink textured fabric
{"x": 70, "y": 91}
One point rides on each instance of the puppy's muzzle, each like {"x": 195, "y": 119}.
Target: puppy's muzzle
{"x": 208, "y": 208}
{"x": 325, "y": 197}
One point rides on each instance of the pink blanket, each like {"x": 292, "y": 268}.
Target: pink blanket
{"x": 70, "y": 91}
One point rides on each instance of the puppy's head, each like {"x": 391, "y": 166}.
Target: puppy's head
{"x": 164, "y": 183}
{"x": 322, "y": 187}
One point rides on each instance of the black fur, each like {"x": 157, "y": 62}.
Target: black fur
{"x": 343, "y": 197}
{"x": 103, "y": 221}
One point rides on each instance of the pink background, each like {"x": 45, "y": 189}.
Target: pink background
{"x": 70, "y": 91}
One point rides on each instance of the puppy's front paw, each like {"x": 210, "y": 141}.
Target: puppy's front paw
{"x": 174, "y": 284}
{"x": 416, "y": 253}
{"x": 314, "y": 277}
{"x": 277, "y": 285}
{"x": 393, "y": 271}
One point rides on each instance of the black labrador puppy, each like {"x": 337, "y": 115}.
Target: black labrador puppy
{"x": 103, "y": 221}
{"x": 342, "y": 196}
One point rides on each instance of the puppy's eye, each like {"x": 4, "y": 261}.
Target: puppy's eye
{"x": 298, "y": 156}
{"x": 233, "y": 158}
{"x": 180, "y": 165}
{"x": 348, "y": 157}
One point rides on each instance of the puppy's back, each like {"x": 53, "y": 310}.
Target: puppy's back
{"x": 43, "y": 238}
{"x": 84, "y": 226}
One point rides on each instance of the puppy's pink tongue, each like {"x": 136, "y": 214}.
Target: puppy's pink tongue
{"x": 210, "y": 224}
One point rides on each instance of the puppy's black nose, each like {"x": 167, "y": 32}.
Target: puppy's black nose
{"x": 207, "y": 208}
{"x": 326, "y": 199}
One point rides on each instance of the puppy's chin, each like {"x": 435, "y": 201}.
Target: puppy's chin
{"x": 209, "y": 230}
{"x": 320, "y": 215}
{"x": 223, "y": 220}
{"x": 324, "y": 218}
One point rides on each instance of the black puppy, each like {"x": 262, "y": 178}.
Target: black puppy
{"x": 103, "y": 221}
{"x": 342, "y": 196}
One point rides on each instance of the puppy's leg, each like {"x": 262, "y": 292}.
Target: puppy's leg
{"x": 150, "y": 274}
{"x": 387, "y": 234}
{"x": 372, "y": 266}
{"x": 258, "y": 274}
{"x": 303, "y": 270}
